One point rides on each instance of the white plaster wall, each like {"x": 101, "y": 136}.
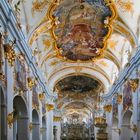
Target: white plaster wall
{"x": 126, "y": 133}
{"x": 115, "y": 135}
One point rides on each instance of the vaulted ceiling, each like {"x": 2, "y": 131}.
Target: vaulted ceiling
{"x": 80, "y": 46}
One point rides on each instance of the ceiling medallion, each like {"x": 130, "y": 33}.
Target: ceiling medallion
{"x": 81, "y": 28}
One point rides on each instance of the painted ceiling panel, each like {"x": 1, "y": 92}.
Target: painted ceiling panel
{"x": 82, "y": 31}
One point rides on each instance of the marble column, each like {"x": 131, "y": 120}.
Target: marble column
{"x": 36, "y": 131}
{"x": 120, "y": 109}
{"x": 109, "y": 124}
{"x": 50, "y": 125}
{"x": 135, "y": 114}
{"x": 58, "y": 130}
{"x": 10, "y": 93}
{"x": 22, "y": 128}
{"x": 3, "y": 124}
{"x": 40, "y": 120}
{"x": 30, "y": 112}
{"x": 44, "y": 128}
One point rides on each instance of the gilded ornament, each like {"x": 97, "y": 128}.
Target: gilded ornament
{"x": 30, "y": 126}
{"x": 119, "y": 99}
{"x": 100, "y": 120}
{"x": 31, "y": 82}
{"x": 54, "y": 62}
{"x": 56, "y": 119}
{"x": 47, "y": 43}
{"x": 35, "y": 106}
{"x": 38, "y": 6}
{"x": 10, "y": 53}
{"x": 2, "y": 77}
{"x": 41, "y": 96}
{"x": 10, "y": 119}
{"x": 112, "y": 44}
{"x": 108, "y": 108}
{"x": 49, "y": 107}
{"x": 134, "y": 128}
{"x": 134, "y": 83}
{"x": 126, "y": 6}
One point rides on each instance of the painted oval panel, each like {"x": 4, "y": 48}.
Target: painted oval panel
{"x": 82, "y": 28}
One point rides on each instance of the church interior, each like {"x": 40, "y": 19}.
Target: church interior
{"x": 69, "y": 70}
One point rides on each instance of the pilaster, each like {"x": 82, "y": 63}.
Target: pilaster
{"x": 50, "y": 125}
{"x": 10, "y": 90}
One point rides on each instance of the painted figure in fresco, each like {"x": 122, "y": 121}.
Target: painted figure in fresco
{"x": 127, "y": 96}
{"x": 21, "y": 74}
{"x": 80, "y": 41}
{"x": 81, "y": 29}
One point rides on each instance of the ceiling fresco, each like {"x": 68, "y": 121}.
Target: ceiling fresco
{"x": 83, "y": 28}
{"x": 74, "y": 105}
{"x": 75, "y": 91}
{"x": 77, "y": 84}
{"x": 77, "y": 88}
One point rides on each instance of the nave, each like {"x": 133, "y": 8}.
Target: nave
{"x": 69, "y": 70}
